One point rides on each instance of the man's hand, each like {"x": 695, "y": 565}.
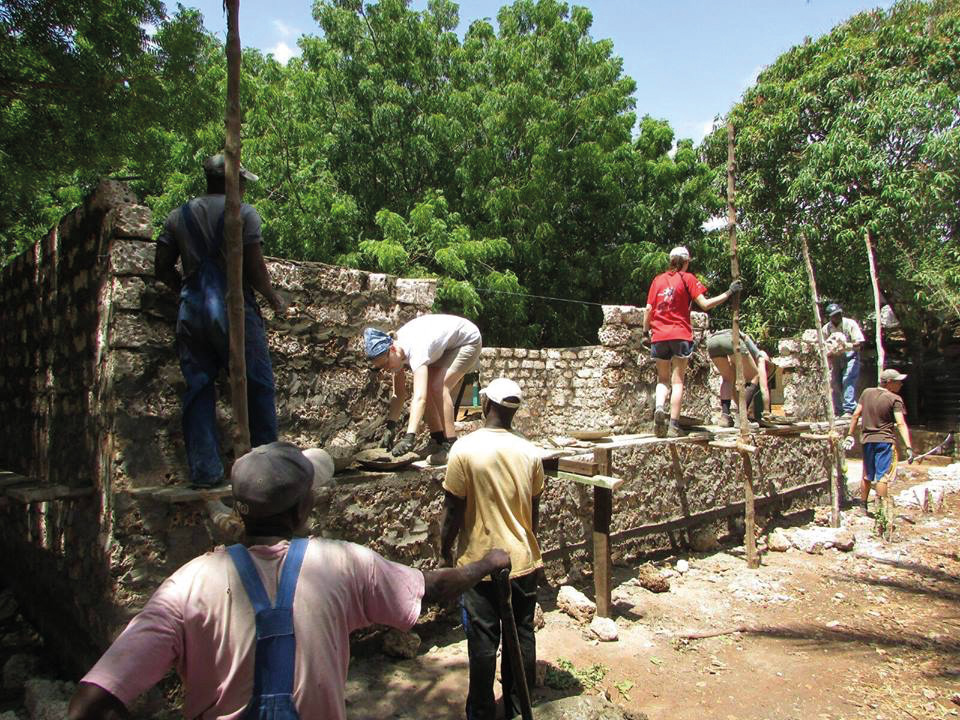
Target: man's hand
{"x": 497, "y": 560}
{"x": 279, "y": 304}
{"x": 849, "y": 442}
{"x": 735, "y": 287}
{"x": 389, "y": 434}
{"x": 405, "y": 445}
{"x": 910, "y": 455}
{"x": 446, "y": 561}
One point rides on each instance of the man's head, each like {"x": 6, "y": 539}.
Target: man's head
{"x": 214, "y": 167}
{"x": 892, "y": 379}
{"x": 381, "y": 350}
{"x": 679, "y": 258}
{"x": 835, "y": 313}
{"x": 500, "y": 400}
{"x": 273, "y": 489}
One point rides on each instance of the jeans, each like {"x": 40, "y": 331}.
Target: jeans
{"x": 480, "y": 612}
{"x": 845, "y": 371}
{"x": 204, "y": 351}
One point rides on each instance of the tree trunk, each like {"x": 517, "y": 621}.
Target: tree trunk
{"x": 876, "y": 304}
{"x": 232, "y": 230}
{"x": 827, "y": 394}
{"x": 750, "y": 539}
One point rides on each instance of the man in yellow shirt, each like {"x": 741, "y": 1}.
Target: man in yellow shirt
{"x": 493, "y": 486}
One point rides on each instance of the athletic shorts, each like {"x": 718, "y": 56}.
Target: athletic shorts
{"x": 460, "y": 360}
{"x": 722, "y": 345}
{"x": 879, "y": 462}
{"x": 669, "y": 349}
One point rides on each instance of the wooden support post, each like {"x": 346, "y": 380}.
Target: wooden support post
{"x": 881, "y": 359}
{"x": 602, "y": 514}
{"x": 825, "y": 385}
{"x": 750, "y": 540}
{"x": 232, "y": 232}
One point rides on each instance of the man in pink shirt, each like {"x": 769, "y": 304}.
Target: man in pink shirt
{"x": 227, "y": 620}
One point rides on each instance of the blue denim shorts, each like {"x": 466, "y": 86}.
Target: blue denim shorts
{"x": 669, "y": 349}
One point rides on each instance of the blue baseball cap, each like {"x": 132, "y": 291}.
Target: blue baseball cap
{"x": 376, "y": 342}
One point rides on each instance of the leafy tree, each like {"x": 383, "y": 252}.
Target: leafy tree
{"x": 857, "y": 131}
{"x": 81, "y": 87}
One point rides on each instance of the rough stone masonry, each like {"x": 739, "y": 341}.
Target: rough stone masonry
{"x": 90, "y": 396}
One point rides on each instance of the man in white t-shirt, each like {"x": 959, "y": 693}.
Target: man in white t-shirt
{"x": 845, "y": 362}
{"x": 266, "y": 622}
{"x": 439, "y": 350}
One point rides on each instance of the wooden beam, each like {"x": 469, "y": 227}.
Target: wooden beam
{"x": 581, "y": 467}
{"x": 815, "y": 436}
{"x": 602, "y": 515}
{"x": 730, "y": 445}
{"x": 601, "y": 481}
{"x": 695, "y": 520}
{"x": 881, "y": 360}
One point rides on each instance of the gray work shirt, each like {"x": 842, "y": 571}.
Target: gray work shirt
{"x": 206, "y": 211}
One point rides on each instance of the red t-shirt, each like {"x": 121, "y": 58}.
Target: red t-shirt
{"x": 669, "y": 298}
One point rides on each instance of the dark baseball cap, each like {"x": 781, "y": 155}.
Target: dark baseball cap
{"x": 270, "y": 479}
{"x": 216, "y": 166}
{"x": 833, "y": 309}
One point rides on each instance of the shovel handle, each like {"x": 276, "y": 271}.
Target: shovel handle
{"x": 511, "y": 642}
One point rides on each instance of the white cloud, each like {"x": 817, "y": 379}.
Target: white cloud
{"x": 283, "y": 52}
{"x": 285, "y": 30}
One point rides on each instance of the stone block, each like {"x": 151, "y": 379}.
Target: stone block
{"x": 614, "y": 335}
{"x": 553, "y": 354}
{"x": 421, "y": 291}
{"x": 127, "y": 292}
{"x": 131, "y": 330}
{"x": 788, "y": 346}
{"x": 111, "y": 194}
{"x": 129, "y": 221}
{"x": 520, "y": 352}
{"x": 622, "y": 315}
{"x": 809, "y": 336}
{"x": 380, "y": 283}
{"x": 132, "y": 257}
{"x": 700, "y": 320}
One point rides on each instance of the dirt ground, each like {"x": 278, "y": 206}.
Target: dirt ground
{"x": 873, "y": 633}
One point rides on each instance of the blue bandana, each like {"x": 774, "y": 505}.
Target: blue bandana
{"x": 376, "y": 342}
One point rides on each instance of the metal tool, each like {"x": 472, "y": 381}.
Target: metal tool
{"x": 511, "y": 642}
{"x": 938, "y": 448}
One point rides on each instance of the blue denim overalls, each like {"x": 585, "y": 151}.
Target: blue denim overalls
{"x": 275, "y": 655}
{"x": 203, "y": 346}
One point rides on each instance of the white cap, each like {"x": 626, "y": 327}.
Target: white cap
{"x": 502, "y": 388}
{"x": 681, "y": 252}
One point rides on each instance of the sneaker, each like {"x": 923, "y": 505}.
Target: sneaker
{"x": 676, "y": 431}
{"x": 726, "y": 420}
{"x": 660, "y": 422}
{"x": 439, "y": 456}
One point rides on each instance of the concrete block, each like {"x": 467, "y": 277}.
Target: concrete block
{"x": 132, "y": 257}
{"x": 129, "y": 221}
{"x": 420, "y": 292}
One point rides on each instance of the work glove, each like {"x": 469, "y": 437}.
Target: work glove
{"x": 735, "y": 287}
{"x": 910, "y": 455}
{"x": 848, "y": 442}
{"x": 405, "y": 445}
{"x": 389, "y": 434}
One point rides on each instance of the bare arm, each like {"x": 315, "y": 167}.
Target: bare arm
{"x": 92, "y": 702}
{"x": 454, "y": 509}
{"x": 448, "y": 583}
{"x": 904, "y": 432}
{"x": 855, "y": 418}
{"x": 708, "y": 303}
{"x": 165, "y": 266}
{"x": 399, "y": 396}
{"x": 418, "y": 404}
{"x": 764, "y": 379}
{"x": 646, "y": 318}
{"x": 255, "y": 275}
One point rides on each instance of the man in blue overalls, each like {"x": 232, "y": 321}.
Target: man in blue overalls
{"x": 261, "y": 630}
{"x": 194, "y": 234}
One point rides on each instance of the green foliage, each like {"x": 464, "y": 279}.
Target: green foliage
{"x": 567, "y": 676}
{"x": 854, "y": 132}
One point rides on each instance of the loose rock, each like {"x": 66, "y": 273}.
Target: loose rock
{"x": 703, "y": 540}
{"x": 17, "y": 669}
{"x": 650, "y": 578}
{"x": 682, "y": 566}
{"x": 575, "y": 604}
{"x": 400, "y": 644}
{"x": 604, "y": 628}
{"x": 778, "y": 541}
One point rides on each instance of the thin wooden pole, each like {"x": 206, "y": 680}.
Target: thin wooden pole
{"x": 827, "y": 394}
{"x": 232, "y": 230}
{"x": 602, "y": 515}
{"x": 749, "y": 521}
{"x": 881, "y": 357}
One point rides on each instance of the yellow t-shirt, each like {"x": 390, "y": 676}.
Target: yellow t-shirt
{"x": 499, "y": 473}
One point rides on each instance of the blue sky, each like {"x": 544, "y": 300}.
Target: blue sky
{"x": 691, "y": 59}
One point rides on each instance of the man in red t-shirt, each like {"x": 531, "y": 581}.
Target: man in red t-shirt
{"x": 667, "y": 318}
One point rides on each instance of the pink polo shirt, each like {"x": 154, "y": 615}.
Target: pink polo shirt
{"x": 201, "y": 622}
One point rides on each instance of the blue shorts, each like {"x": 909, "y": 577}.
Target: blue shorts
{"x": 879, "y": 461}
{"x": 669, "y": 349}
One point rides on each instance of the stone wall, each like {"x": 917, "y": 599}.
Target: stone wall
{"x": 605, "y": 386}
{"x": 89, "y": 395}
